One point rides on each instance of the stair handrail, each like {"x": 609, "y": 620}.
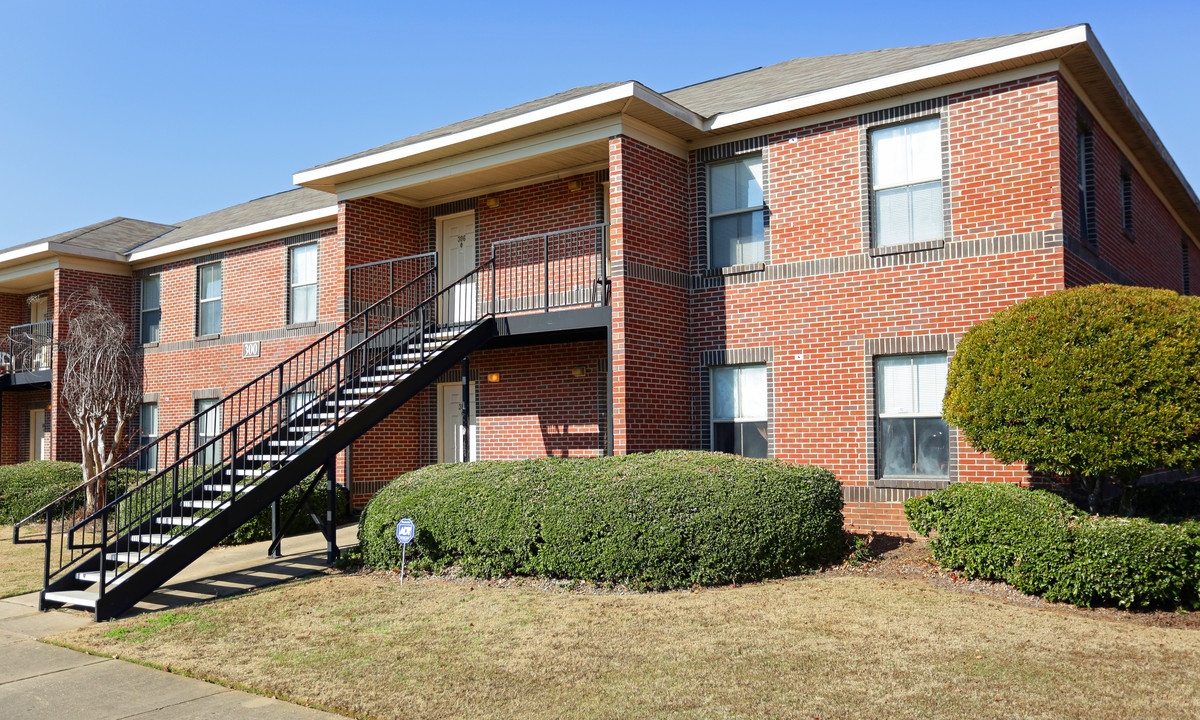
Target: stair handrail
{"x": 48, "y": 510}
{"x": 142, "y": 512}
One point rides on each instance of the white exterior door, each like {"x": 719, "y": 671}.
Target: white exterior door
{"x": 450, "y": 435}
{"x": 38, "y": 449}
{"x": 39, "y": 311}
{"x": 456, "y": 258}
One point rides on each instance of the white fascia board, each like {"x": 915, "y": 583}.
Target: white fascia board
{"x": 301, "y": 218}
{"x": 24, "y": 252}
{"x": 1077, "y": 35}
{"x": 621, "y": 92}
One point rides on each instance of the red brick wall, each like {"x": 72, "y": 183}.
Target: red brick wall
{"x": 14, "y": 423}
{"x": 1150, "y": 255}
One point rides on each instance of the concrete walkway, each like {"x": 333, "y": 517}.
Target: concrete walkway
{"x": 47, "y": 682}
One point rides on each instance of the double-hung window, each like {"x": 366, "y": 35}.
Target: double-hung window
{"x": 1083, "y": 182}
{"x": 912, "y": 439}
{"x": 735, "y": 212}
{"x": 302, "y": 283}
{"x": 208, "y": 299}
{"x": 739, "y": 410}
{"x": 148, "y": 432}
{"x": 151, "y": 308}
{"x": 208, "y": 427}
{"x": 906, "y": 183}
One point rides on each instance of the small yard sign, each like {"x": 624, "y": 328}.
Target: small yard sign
{"x": 405, "y": 531}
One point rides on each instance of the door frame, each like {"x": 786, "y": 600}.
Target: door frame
{"x": 440, "y": 237}
{"x": 441, "y": 414}
{"x": 36, "y": 435}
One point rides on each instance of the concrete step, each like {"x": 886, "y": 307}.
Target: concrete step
{"x": 79, "y": 598}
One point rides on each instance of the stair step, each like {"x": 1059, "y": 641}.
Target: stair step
{"x": 270, "y": 458}
{"x": 156, "y": 539}
{"x": 249, "y": 472}
{"x": 226, "y": 488}
{"x": 110, "y": 577}
{"x": 383, "y": 379}
{"x": 356, "y": 401}
{"x": 181, "y": 520}
{"x": 415, "y": 356}
{"x": 205, "y": 504}
{"x": 362, "y": 390}
{"x": 287, "y": 443}
{"x": 81, "y": 598}
{"x": 128, "y": 558}
{"x": 406, "y": 368}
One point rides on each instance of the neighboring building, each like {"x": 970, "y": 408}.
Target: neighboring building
{"x": 776, "y": 263}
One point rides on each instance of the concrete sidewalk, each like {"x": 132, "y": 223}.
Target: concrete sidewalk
{"x": 47, "y": 682}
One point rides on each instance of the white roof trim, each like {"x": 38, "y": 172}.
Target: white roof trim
{"x": 1063, "y": 38}
{"x": 60, "y": 249}
{"x": 301, "y": 218}
{"x": 624, "y": 91}
{"x": 24, "y": 252}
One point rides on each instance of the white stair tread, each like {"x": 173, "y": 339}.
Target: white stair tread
{"x": 315, "y": 428}
{"x": 205, "y": 504}
{"x": 110, "y": 577}
{"x": 128, "y": 558}
{"x": 82, "y": 598}
{"x": 405, "y": 368}
{"x": 284, "y": 443}
{"x": 270, "y": 458}
{"x": 156, "y": 539}
{"x": 249, "y": 472}
{"x": 225, "y": 488}
{"x": 186, "y": 520}
{"x": 357, "y": 401}
{"x": 382, "y": 379}
{"x": 362, "y": 390}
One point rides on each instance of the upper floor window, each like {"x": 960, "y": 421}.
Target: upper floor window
{"x": 739, "y": 410}
{"x": 911, "y": 439}
{"x": 735, "y": 212}
{"x": 302, "y": 282}
{"x": 208, "y": 299}
{"x": 1083, "y": 182}
{"x": 906, "y": 183}
{"x": 151, "y": 308}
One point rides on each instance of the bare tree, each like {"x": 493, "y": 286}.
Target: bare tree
{"x": 100, "y": 386}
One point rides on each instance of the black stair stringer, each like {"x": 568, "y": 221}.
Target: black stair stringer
{"x": 171, "y": 560}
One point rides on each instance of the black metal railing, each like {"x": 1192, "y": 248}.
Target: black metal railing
{"x": 27, "y": 347}
{"x": 563, "y": 269}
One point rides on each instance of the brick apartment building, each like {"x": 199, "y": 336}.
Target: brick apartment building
{"x": 777, "y": 263}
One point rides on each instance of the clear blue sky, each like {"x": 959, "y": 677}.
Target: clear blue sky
{"x": 167, "y": 110}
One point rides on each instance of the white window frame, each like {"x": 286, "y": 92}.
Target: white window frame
{"x": 877, "y": 188}
{"x": 215, "y": 453}
{"x": 157, "y": 278}
{"x": 147, "y": 460}
{"x": 1085, "y": 157}
{"x": 738, "y": 418}
{"x": 293, "y": 286}
{"x": 748, "y": 210}
{"x": 201, "y": 300}
{"x": 913, "y": 415}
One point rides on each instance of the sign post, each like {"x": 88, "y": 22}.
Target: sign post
{"x": 405, "y": 532}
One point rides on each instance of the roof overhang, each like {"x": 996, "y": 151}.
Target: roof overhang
{"x": 32, "y": 267}
{"x": 255, "y": 231}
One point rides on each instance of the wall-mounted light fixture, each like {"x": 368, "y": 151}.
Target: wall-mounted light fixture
{"x": 573, "y": 185}
{"x": 493, "y": 377}
{"x": 493, "y": 202}
{"x": 578, "y": 372}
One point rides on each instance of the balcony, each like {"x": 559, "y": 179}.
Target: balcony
{"x": 25, "y": 354}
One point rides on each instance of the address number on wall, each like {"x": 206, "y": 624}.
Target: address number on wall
{"x": 251, "y": 349}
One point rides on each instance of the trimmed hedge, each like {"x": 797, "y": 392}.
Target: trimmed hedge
{"x": 27, "y": 487}
{"x": 1041, "y": 544}
{"x": 652, "y": 521}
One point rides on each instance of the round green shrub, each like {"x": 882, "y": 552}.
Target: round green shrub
{"x": 1041, "y": 544}
{"x": 655, "y": 521}
{"x": 26, "y": 487}
{"x": 1100, "y": 381}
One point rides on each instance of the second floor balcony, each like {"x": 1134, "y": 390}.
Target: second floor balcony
{"x": 25, "y": 352}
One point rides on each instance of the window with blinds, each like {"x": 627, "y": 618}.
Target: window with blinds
{"x": 208, "y": 299}
{"x": 739, "y": 410}
{"x": 735, "y": 212}
{"x": 906, "y": 183}
{"x": 151, "y": 308}
{"x": 207, "y": 429}
{"x": 303, "y": 283}
{"x": 911, "y": 439}
{"x": 147, "y": 433}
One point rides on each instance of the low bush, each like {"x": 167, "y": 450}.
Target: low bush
{"x": 1041, "y": 544}
{"x": 27, "y": 487}
{"x": 652, "y": 521}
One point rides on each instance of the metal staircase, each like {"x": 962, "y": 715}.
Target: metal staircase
{"x": 165, "y": 505}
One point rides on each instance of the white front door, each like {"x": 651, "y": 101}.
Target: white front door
{"x": 456, "y": 258}
{"x": 37, "y": 435}
{"x": 450, "y": 435}
{"x": 39, "y": 311}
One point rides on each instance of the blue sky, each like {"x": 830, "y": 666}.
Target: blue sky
{"x": 167, "y": 110}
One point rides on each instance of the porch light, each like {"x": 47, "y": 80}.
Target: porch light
{"x": 493, "y": 377}
{"x": 573, "y": 185}
{"x": 493, "y": 202}
{"x": 578, "y": 372}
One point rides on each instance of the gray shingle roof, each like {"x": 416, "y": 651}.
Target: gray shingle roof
{"x": 812, "y": 74}
{"x": 116, "y": 235}
{"x": 478, "y": 121}
{"x": 263, "y": 209}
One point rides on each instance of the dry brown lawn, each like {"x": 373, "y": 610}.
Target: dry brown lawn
{"x": 826, "y": 646}
{"x": 20, "y": 565}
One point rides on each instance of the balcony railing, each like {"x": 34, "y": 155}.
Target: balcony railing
{"x": 27, "y": 348}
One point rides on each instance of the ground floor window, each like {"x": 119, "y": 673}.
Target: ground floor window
{"x": 207, "y": 428}
{"x": 739, "y": 409}
{"x": 911, "y": 438}
{"x": 147, "y": 433}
